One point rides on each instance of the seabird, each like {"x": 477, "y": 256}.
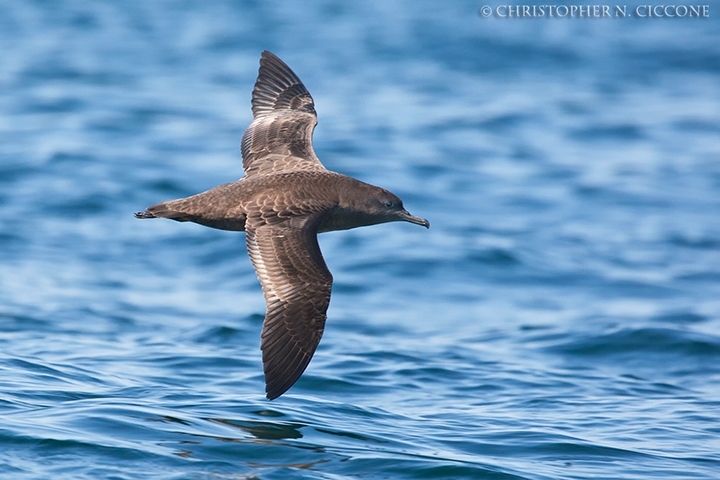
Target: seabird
{"x": 284, "y": 200}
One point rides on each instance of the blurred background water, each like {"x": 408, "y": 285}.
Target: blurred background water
{"x": 561, "y": 318}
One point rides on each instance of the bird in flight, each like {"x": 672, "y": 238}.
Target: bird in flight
{"x": 284, "y": 200}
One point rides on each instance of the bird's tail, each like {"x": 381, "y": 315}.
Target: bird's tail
{"x": 166, "y": 210}
{"x": 145, "y": 214}
{"x": 188, "y": 210}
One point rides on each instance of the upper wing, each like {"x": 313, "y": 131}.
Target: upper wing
{"x": 296, "y": 283}
{"x": 280, "y": 135}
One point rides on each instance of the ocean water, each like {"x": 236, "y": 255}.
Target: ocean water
{"x": 559, "y": 320}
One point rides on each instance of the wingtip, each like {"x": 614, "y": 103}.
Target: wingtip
{"x": 279, "y": 386}
{"x": 274, "y": 391}
{"x": 278, "y": 88}
{"x": 267, "y": 54}
{"x": 269, "y": 59}
{"x": 144, "y": 215}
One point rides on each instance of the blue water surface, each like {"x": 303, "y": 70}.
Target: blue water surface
{"x": 560, "y": 319}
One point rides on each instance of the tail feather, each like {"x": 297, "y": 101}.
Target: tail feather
{"x": 164, "y": 210}
{"x": 182, "y": 210}
{"x": 144, "y": 215}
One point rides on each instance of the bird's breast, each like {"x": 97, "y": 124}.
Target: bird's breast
{"x": 339, "y": 218}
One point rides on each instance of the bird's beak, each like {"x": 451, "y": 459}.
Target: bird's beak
{"x": 405, "y": 215}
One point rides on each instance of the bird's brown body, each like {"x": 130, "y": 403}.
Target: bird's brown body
{"x": 285, "y": 199}
{"x": 274, "y": 198}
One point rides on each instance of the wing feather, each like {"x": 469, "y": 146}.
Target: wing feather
{"x": 279, "y": 139}
{"x": 297, "y": 284}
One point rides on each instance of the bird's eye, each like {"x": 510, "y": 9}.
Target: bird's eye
{"x": 389, "y": 204}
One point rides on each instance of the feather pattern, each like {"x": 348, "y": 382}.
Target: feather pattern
{"x": 297, "y": 285}
{"x": 279, "y": 139}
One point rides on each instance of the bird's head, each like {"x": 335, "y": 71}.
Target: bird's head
{"x": 388, "y": 207}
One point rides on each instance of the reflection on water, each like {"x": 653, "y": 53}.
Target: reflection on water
{"x": 264, "y": 430}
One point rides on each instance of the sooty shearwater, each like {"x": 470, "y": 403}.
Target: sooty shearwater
{"x": 284, "y": 200}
